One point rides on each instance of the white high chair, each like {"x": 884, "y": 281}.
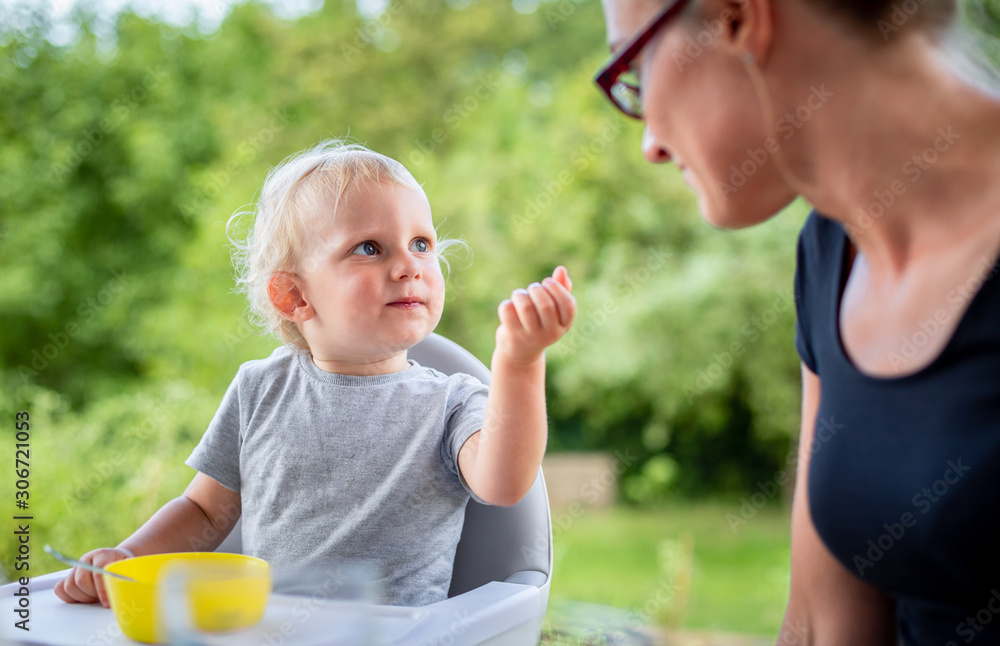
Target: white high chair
{"x": 503, "y": 565}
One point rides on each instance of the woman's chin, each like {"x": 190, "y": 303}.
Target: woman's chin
{"x": 733, "y": 214}
{"x": 720, "y": 215}
{"x": 714, "y": 207}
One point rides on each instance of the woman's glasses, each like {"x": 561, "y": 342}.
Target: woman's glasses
{"x": 617, "y": 78}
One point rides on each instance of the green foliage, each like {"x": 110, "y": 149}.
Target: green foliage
{"x": 653, "y": 482}
{"x": 99, "y": 472}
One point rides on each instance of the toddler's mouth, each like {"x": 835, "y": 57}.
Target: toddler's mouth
{"x": 407, "y": 303}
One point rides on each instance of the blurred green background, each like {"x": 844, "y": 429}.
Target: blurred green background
{"x": 128, "y": 141}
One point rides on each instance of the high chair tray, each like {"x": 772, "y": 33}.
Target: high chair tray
{"x": 496, "y": 613}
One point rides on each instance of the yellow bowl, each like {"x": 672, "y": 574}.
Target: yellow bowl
{"x": 225, "y": 591}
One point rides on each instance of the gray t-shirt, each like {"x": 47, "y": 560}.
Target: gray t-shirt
{"x": 335, "y": 468}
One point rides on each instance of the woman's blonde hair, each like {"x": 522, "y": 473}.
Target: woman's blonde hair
{"x": 282, "y": 236}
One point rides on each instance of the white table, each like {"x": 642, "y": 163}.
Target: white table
{"x": 496, "y": 613}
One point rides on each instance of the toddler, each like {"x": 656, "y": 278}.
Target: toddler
{"x": 322, "y": 446}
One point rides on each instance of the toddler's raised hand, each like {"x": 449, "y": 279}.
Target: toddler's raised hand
{"x": 84, "y": 586}
{"x": 532, "y": 319}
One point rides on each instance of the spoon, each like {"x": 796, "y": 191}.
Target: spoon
{"x": 68, "y": 560}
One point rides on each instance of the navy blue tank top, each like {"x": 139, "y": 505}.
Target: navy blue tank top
{"x": 904, "y": 479}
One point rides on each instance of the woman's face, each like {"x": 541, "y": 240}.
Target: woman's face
{"x": 701, "y": 111}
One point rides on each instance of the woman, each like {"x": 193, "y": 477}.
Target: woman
{"x": 870, "y": 112}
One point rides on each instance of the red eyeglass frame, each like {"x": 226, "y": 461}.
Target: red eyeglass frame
{"x": 608, "y": 75}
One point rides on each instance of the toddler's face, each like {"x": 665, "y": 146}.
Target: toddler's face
{"x": 376, "y": 284}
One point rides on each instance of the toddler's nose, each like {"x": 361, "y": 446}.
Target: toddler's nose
{"x": 406, "y": 268}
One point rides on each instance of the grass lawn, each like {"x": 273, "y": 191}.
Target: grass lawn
{"x": 681, "y": 566}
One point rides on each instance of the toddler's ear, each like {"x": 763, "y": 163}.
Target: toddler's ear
{"x": 283, "y": 289}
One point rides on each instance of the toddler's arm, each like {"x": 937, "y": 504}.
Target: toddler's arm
{"x": 199, "y": 520}
{"x": 500, "y": 462}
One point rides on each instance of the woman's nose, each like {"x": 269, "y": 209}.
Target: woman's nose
{"x": 651, "y": 148}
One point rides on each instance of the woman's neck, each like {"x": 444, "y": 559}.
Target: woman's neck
{"x": 905, "y": 154}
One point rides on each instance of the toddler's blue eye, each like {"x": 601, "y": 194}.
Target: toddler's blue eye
{"x": 365, "y": 249}
{"x": 419, "y": 245}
